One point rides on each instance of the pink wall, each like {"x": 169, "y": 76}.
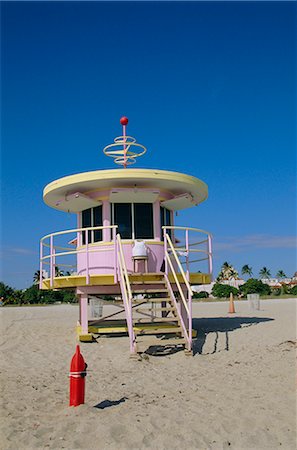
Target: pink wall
{"x": 102, "y": 261}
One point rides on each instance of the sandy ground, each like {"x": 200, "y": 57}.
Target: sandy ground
{"x": 238, "y": 391}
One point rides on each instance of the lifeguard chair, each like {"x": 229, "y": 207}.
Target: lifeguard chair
{"x": 116, "y": 209}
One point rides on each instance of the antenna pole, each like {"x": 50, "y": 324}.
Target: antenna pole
{"x": 125, "y": 149}
{"x": 124, "y": 122}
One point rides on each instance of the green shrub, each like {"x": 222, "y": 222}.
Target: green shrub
{"x": 202, "y": 294}
{"x": 254, "y": 286}
{"x": 223, "y": 290}
{"x": 293, "y": 291}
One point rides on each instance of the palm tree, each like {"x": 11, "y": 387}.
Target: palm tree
{"x": 265, "y": 273}
{"x": 58, "y": 272}
{"x": 233, "y": 273}
{"x": 281, "y": 274}
{"x": 227, "y": 272}
{"x": 247, "y": 270}
{"x": 36, "y": 277}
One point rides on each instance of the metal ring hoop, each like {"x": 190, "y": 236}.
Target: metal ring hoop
{"x": 123, "y": 155}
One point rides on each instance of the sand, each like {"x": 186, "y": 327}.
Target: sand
{"x": 238, "y": 391}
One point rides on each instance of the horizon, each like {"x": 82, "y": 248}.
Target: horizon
{"x": 210, "y": 93}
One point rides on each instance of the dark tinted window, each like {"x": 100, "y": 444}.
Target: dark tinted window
{"x": 165, "y": 215}
{"x": 123, "y": 218}
{"x": 97, "y": 222}
{"x": 86, "y": 222}
{"x": 143, "y": 221}
{"x": 92, "y": 218}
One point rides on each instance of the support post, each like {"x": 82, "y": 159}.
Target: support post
{"x": 87, "y": 258}
{"x": 209, "y": 256}
{"x": 40, "y": 265}
{"x": 187, "y": 255}
{"x": 84, "y": 313}
{"x": 165, "y": 251}
{"x": 115, "y": 249}
{"x": 52, "y": 261}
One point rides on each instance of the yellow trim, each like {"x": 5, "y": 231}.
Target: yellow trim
{"x": 163, "y": 180}
{"x": 108, "y": 280}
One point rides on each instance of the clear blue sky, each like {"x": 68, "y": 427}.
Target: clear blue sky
{"x": 208, "y": 87}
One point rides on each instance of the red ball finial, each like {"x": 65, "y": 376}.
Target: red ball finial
{"x": 124, "y": 120}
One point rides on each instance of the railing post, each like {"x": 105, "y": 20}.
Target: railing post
{"x": 40, "y": 265}
{"x": 209, "y": 255}
{"x": 190, "y": 320}
{"x": 165, "y": 251}
{"x": 115, "y": 246}
{"x": 187, "y": 254}
{"x": 87, "y": 257}
{"x": 51, "y": 261}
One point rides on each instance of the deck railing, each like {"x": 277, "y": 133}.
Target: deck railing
{"x": 193, "y": 246}
{"x": 53, "y": 254}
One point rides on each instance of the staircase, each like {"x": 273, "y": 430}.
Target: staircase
{"x": 158, "y": 312}
{"x": 155, "y": 320}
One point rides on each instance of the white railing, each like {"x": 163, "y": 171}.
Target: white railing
{"x": 126, "y": 293}
{"x": 174, "y": 266}
{"x": 63, "y": 254}
{"x": 193, "y": 246}
{"x": 183, "y": 306}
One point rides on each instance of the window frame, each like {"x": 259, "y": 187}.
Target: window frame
{"x": 92, "y": 233}
{"x": 133, "y": 228}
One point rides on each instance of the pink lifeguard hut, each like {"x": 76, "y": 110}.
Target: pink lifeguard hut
{"x": 127, "y": 246}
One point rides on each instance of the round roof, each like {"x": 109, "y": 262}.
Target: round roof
{"x": 174, "y": 183}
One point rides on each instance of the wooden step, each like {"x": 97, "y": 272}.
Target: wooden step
{"x": 155, "y": 309}
{"x": 161, "y": 329}
{"x": 155, "y": 319}
{"x": 147, "y": 282}
{"x": 149, "y": 291}
{"x": 151, "y": 300}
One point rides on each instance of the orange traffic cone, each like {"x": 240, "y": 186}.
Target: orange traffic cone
{"x": 231, "y": 304}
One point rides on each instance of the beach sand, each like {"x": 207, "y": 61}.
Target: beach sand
{"x": 238, "y": 391}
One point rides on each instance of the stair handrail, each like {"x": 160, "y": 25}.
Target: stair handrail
{"x": 123, "y": 267}
{"x": 126, "y": 293}
{"x": 187, "y": 305}
{"x": 178, "y": 263}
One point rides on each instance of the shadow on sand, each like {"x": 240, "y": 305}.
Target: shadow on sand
{"x": 217, "y": 325}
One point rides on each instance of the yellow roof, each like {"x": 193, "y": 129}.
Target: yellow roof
{"x": 175, "y": 183}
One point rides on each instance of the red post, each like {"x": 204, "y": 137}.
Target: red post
{"x": 77, "y": 379}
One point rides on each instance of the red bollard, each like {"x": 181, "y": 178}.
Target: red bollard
{"x": 77, "y": 379}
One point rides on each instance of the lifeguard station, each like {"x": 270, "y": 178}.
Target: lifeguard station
{"x": 127, "y": 246}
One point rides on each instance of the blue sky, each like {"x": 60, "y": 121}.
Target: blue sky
{"x": 208, "y": 87}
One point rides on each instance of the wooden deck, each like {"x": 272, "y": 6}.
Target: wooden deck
{"x": 108, "y": 280}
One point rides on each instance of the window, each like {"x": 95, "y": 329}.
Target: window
{"x": 143, "y": 221}
{"x": 165, "y": 216}
{"x": 122, "y": 217}
{"x": 92, "y": 217}
{"x": 134, "y": 220}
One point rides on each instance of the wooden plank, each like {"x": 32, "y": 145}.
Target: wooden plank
{"x": 149, "y": 291}
{"x": 151, "y": 300}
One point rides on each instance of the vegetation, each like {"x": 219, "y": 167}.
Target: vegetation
{"x": 281, "y": 274}
{"x": 223, "y": 290}
{"x": 202, "y": 294}
{"x": 227, "y": 272}
{"x": 293, "y": 291}
{"x": 265, "y": 273}
{"x": 254, "y": 286}
{"x": 33, "y": 295}
{"x": 247, "y": 270}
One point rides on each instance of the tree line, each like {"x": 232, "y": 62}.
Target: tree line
{"x": 251, "y": 286}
